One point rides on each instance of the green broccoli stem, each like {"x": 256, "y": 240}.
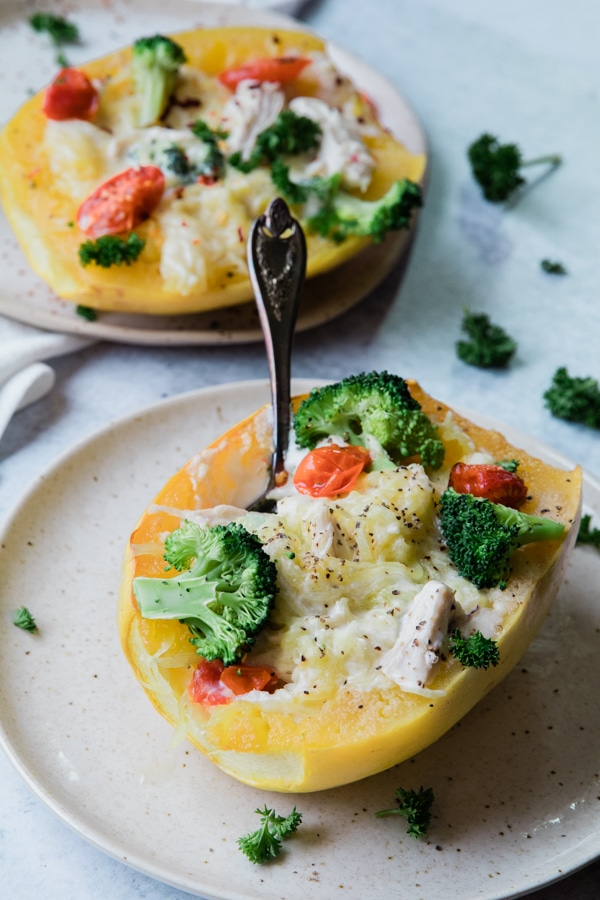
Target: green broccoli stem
{"x": 175, "y": 598}
{"x": 529, "y": 528}
{"x": 381, "y": 461}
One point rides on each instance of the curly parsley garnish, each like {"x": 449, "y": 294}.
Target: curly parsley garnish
{"x": 587, "y": 534}
{"x": 110, "y": 250}
{"x": 415, "y": 806}
{"x": 23, "y": 619}
{"x": 265, "y": 843}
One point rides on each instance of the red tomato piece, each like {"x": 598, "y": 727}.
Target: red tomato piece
{"x": 122, "y": 202}
{"x": 70, "y": 96}
{"x": 330, "y": 470}
{"x": 242, "y": 679}
{"x": 489, "y": 481}
{"x": 278, "y": 68}
{"x": 205, "y": 686}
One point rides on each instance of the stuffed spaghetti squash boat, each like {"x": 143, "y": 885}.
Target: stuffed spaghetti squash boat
{"x": 380, "y": 626}
{"x": 131, "y": 183}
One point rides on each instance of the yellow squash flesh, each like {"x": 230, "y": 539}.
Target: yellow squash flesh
{"x": 42, "y": 214}
{"x": 355, "y": 733}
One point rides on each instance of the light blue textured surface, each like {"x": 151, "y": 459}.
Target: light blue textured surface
{"x": 526, "y": 71}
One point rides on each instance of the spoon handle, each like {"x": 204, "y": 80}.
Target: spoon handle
{"x": 277, "y": 264}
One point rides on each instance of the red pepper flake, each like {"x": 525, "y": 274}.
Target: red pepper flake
{"x": 240, "y": 235}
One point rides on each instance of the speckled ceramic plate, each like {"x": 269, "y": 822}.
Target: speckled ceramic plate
{"x": 516, "y": 782}
{"x": 105, "y": 27}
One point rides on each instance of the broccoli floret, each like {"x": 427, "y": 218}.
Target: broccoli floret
{"x": 225, "y": 594}
{"x": 496, "y": 167}
{"x": 481, "y": 536}
{"x": 574, "y": 399}
{"x": 374, "y": 410}
{"x": 214, "y": 164}
{"x": 289, "y": 135}
{"x": 176, "y": 161}
{"x": 488, "y": 347}
{"x": 343, "y": 215}
{"x": 475, "y": 651}
{"x": 111, "y": 250}
{"x": 340, "y": 214}
{"x": 298, "y": 192}
{"x": 156, "y": 61}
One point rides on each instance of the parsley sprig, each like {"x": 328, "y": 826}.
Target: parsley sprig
{"x": 415, "y": 806}
{"x": 497, "y": 167}
{"x": 23, "y": 619}
{"x": 265, "y": 843}
{"x": 587, "y": 534}
{"x": 111, "y": 250}
{"x": 59, "y": 30}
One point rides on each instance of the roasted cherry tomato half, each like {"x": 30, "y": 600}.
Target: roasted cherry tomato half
{"x": 490, "y": 481}
{"x": 70, "y": 96}
{"x": 330, "y": 470}
{"x": 279, "y": 68}
{"x": 242, "y": 679}
{"x": 122, "y": 202}
{"x": 205, "y": 686}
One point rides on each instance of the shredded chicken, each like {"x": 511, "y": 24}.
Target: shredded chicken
{"x": 411, "y": 661}
{"x": 342, "y": 149}
{"x": 253, "y": 107}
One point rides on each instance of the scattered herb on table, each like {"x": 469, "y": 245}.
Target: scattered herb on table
{"x": 475, "y": 651}
{"x": 587, "y": 534}
{"x": 23, "y": 619}
{"x": 574, "y": 399}
{"x": 553, "y": 267}
{"x": 265, "y": 843}
{"x": 497, "y": 167}
{"x": 415, "y": 806}
{"x": 60, "y": 31}
{"x": 86, "y": 312}
{"x": 488, "y": 345}
{"x": 111, "y": 250}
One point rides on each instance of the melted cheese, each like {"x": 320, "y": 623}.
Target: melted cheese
{"x": 356, "y": 576}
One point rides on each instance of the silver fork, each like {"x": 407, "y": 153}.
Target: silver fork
{"x": 277, "y": 265}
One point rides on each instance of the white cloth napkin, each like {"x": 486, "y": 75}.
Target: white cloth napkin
{"x": 24, "y": 378}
